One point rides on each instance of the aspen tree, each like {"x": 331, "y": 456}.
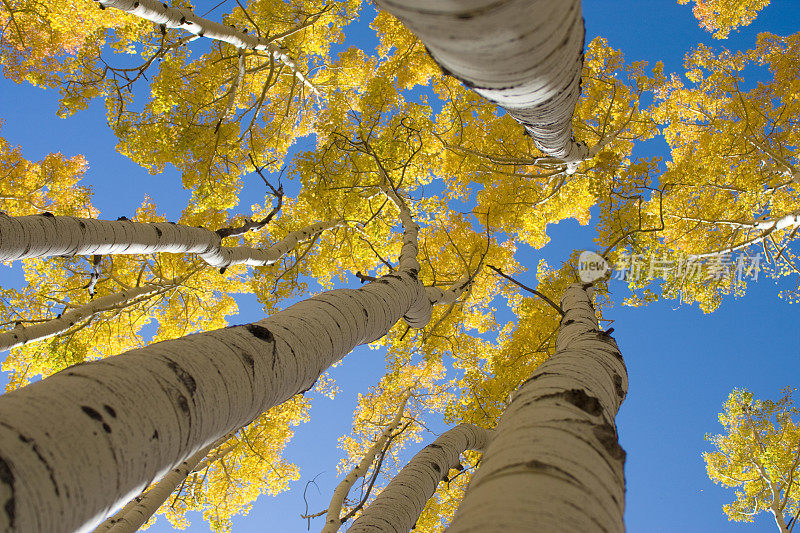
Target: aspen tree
{"x": 48, "y": 328}
{"x": 398, "y": 506}
{"x": 136, "y": 512}
{"x": 554, "y": 463}
{"x": 720, "y": 17}
{"x": 143, "y": 412}
{"x": 249, "y": 464}
{"x": 171, "y": 17}
{"x": 48, "y": 235}
{"x": 51, "y": 184}
{"x": 208, "y": 384}
{"x": 525, "y": 56}
{"x": 412, "y": 389}
{"x": 728, "y": 197}
{"x": 758, "y": 454}
{"x": 28, "y": 229}
{"x": 333, "y": 518}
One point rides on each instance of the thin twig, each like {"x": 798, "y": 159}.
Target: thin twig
{"x": 251, "y": 225}
{"x": 309, "y": 482}
{"x": 533, "y": 291}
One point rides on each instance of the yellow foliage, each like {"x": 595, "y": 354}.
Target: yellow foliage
{"x": 247, "y": 465}
{"x": 720, "y": 17}
{"x": 51, "y": 185}
{"x": 479, "y": 189}
{"x": 759, "y": 454}
{"x": 43, "y": 40}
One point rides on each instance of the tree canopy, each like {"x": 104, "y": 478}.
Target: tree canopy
{"x": 354, "y": 138}
{"x": 759, "y": 453}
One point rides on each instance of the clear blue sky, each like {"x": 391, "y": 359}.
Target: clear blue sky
{"x": 682, "y": 363}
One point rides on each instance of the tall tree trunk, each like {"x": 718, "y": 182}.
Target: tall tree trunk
{"x": 398, "y": 506}
{"x": 333, "y": 520}
{"x": 47, "y": 235}
{"x": 77, "y": 445}
{"x": 555, "y": 464}
{"x": 524, "y": 55}
{"x": 139, "y": 510}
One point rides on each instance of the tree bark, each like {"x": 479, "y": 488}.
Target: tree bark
{"x": 782, "y": 527}
{"x": 139, "y": 510}
{"x": 524, "y": 55}
{"x": 74, "y": 447}
{"x": 333, "y": 519}
{"x": 398, "y": 506}
{"x": 47, "y": 235}
{"x": 77, "y": 444}
{"x": 49, "y": 328}
{"x": 555, "y": 464}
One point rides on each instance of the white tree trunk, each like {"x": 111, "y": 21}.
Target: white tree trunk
{"x": 398, "y": 506}
{"x": 78, "y": 444}
{"x": 49, "y": 328}
{"x": 333, "y": 517}
{"x": 524, "y": 55}
{"x": 184, "y": 19}
{"x": 555, "y": 464}
{"x": 237, "y": 255}
{"x": 139, "y": 510}
{"x": 47, "y": 235}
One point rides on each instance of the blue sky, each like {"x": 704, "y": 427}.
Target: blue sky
{"x": 682, "y": 363}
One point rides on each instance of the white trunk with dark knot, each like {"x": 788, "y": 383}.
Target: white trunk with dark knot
{"x": 46, "y": 235}
{"x": 78, "y": 444}
{"x": 555, "y": 464}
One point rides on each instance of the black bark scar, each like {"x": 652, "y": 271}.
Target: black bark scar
{"x": 618, "y": 387}
{"x": 185, "y": 377}
{"x": 94, "y": 415}
{"x": 91, "y": 413}
{"x": 249, "y": 361}
{"x": 583, "y": 401}
{"x": 260, "y": 332}
{"x": 7, "y": 478}
{"x": 607, "y": 436}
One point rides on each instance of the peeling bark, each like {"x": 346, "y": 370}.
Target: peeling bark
{"x": 555, "y": 464}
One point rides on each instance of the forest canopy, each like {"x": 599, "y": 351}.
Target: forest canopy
{"x": 324, "y": 146}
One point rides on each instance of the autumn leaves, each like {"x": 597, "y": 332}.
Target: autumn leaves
{"x": 396, "y": 144}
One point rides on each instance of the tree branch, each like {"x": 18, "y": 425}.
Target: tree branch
{"x": 532, "y": 291}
